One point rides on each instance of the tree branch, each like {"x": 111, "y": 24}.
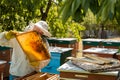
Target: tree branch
{"x": 44, "y": 14}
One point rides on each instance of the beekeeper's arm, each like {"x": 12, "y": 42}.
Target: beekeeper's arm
{"x": 6, "y": 36}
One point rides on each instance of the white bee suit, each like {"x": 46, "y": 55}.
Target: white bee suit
{"x": 19, "y": 65}
{"x": 19, "y": 62}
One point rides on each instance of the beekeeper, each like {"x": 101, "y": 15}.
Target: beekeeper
{"x": 19, "y": 63}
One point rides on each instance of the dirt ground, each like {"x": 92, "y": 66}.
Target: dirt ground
{"x": 79, "y": 53}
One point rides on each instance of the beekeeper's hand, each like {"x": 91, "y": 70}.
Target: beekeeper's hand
{"x": 10, "y": 34}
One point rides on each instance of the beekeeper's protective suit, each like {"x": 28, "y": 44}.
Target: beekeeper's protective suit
{"x": 19, "y": 63}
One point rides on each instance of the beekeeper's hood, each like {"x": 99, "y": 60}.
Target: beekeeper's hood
{"x": 40, "y": 26}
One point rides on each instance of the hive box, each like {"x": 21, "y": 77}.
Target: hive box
{"x": 66, "y": 43}
{"x": 68, "y": 71}
{"x": 5, "y": 54}
{"x": 58, "y": 57}
{"x": 103, "y": 52}
{"x": 87, "y": 43}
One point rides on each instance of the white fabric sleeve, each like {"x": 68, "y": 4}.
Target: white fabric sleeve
{"x": 3, "y": 40}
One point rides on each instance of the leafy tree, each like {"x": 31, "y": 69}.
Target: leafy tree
{"x": 59, "y": 30}
{"x": 103, "y": 9}
{"x": 16, "y": 14}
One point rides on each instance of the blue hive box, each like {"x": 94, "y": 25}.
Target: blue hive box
{"x": 58, "y": 57}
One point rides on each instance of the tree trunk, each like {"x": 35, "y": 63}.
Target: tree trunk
{"x": 44, "y": 14}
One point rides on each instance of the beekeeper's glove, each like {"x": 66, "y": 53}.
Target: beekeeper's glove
{"x": 10, "y": 34}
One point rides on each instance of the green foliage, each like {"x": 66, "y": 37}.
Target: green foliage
{"x": 106, "y": 10}
{"x": 74, "y": 8}
{"x": 94, "y": 6}
{"x": 16, "y": 14}
{"x": 59, "y": 30}
{"x": 103, "y": 9}
{"x": 75, "y": 30}
{"x": 89, "y": 18}
{"x": 66, "y": 10}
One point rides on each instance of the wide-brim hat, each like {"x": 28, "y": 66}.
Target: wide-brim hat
{"x": 42, "y": 26}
